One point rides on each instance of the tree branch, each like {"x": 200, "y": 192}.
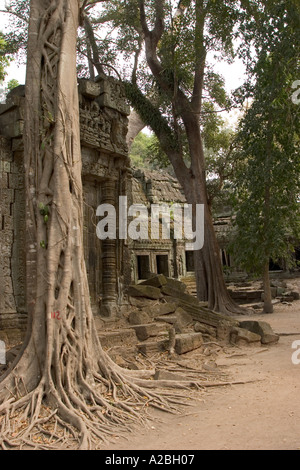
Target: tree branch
{"x": 91, "y": 39}
{"x": 152, "y": 117}
{"x": 14, "y": 13}
{"x": 200, "y": 57}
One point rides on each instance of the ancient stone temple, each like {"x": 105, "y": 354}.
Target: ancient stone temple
{"x": 103, "y": 121}
{"x": 171, "y": 257}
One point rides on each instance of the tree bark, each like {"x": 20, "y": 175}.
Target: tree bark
{"x": 62, "y": 367}
{"x": 135, "y": 126}
{"x": 210, "y": 281}
{"x": 268, "y": 306}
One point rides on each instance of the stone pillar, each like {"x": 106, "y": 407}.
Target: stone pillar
{"x": 109, "y": 265}
{"x": 7, "y": 195}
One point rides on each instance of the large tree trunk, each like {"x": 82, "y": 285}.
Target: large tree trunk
{"x": 62, "y": 364}
{"x": 210, "y": 281}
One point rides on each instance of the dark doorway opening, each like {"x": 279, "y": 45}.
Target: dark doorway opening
{"x": 189, "y": 261}
{"x": 143, "y": 266}
{"x": 162, "y": 264}
{"x": 225, "y": 258}
{"x": 273, "y": 266}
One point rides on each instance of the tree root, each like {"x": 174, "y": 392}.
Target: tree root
{"x": 83, "y": 414}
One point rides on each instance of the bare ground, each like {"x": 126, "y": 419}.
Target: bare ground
{"x": 261, "y": 414}
{"x": 259, "y": 411}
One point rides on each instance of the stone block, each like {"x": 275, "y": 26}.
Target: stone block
{"x": 224, "y": 329}
{"x": 242, "y": 336}
{"x": 188, "y": 342}
{"x": 281, "y": 290}
{"x": 166, "y": 375}
{"x": 4, "y": 166}
{"x": 138, "y": 318}
{"x": 162, "y": 309}
{"x": 5, "y": 248}
{"x": 7, "y": 196}
{"x": 17, "y": 91}
{"x": 147, "y": 330}
{"x": 296, "y": 295}
{"x": 144, "y": 291}
{"x": 153, "y": 347}
{"x": 178, "y": 294}
{"x": 156, "y": 281}
{"x": 183, "y": 317}
{"x": 112, "y": 96}
{"x": 141, "y": 302}
{"x": 16, "y": 181}
{"x": 171, "y": 319}
{"x": 176, "y": 284}
{"x": 261, "y": 328}
{"x": 7, "y": 222}
{"x": 5, "y": 150}
{"x": 205, "y": 329}
{"x": 120, "y": 337}
{"x": 89, "y": 88}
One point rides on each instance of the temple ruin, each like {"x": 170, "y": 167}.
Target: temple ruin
{"x": 112, "y": 265}
{"x": 105, "y": 175}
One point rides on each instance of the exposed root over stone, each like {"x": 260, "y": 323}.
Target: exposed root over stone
{"x": 81, "y": 414}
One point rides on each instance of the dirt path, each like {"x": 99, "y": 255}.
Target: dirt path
{"x": 264, "y": 414}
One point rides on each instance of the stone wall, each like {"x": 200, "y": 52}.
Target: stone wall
{"x": 158, "y": 187}
{"x": 156, "y": 256}
{"x": 105, "y": 167}
{"x": 12, "y": 250}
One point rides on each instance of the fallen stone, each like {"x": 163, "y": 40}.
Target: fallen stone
{"x": 179, "y": 317}
{"x": 245, "y": 296}
{"x": 166, "y": 375}
{"x": 155, "y": 281}
{"x": 147, "y": 330}
{"x": 171, "y": 319}
{"x": 224, "y": 329}
{"x": 152, "y": 347}
{"x": 162, "y": 309}
{"x": 183, "y": 317}
{"x": 175, "y": 284}
{"x": 205, "y": 329}
{"x": 178, "y": 294}
{"x": 281, "y": 290}
{"x": 278, "y": 283}
{"x": 138, "y": 317}
{"x": 141, "y": 302}
{"x": 116, "y": 338}
{"x": 149, "y": 292}
{"x": 242, "y": 336}
{"x": 188, "y": 342}
{"x": 296, "y": 295}
{"x": 261, "y": 328}
{"x": 287, "y": 298}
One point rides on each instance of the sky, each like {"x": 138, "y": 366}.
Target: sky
{"x": 233, "y": 73}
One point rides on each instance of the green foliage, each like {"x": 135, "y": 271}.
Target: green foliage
{"x": 267, "y": 177}
{"x": 146, "y": 153}
{"x": 17, "y": 29}
{"x": 13, "y": 83}
{"x": 4, "y": 58}
{"x": 138, "y": 151}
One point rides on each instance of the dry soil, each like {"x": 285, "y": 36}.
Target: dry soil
{"x": 261, "y": 414}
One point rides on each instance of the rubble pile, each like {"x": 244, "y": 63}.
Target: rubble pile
{"x": 164, "y": 317}
{"x": 248, "y": 293}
